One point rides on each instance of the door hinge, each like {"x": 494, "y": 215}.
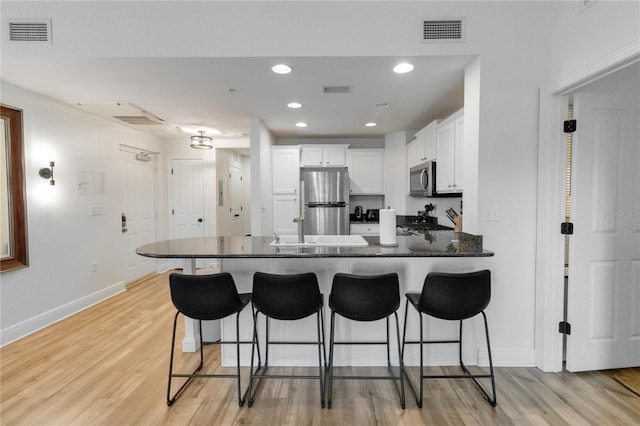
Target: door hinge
{"x": 564, "y": 327}
{"x": 173, "y": 212}
{"x": 570, "y": 126}
{"x": 171, "y": 171}
{"x": 566, "y": 228}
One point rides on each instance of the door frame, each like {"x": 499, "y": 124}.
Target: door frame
{"x": 549, "y": 287}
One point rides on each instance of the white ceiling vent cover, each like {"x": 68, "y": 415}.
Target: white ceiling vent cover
{"x": 32, "y": 30}
{"x": 443, "y": 30}
{"x": 139, "y": 120}
{"x": 337, "y": 89}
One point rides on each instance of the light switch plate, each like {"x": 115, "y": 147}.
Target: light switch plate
{"x": 492, "y": 215}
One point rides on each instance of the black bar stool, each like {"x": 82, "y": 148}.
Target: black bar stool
{"x": 453, "y": 297}
{"x": 287, "y": 298}
{"x": 366, "y": 298}
{"x": 205, "y": 298}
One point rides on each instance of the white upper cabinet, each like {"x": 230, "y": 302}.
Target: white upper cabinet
{"x": 323, "y": 155}
{"x": 411, "y": 153}
{"x": 365, "y": 171}
{"x": 423, "y": 147}
{"x": 285, "y": 169}
{"x": 426, "y": 143}
{"x": 449, "y": 146}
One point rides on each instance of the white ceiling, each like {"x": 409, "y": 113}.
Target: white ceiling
{"x": 196, "y": 91}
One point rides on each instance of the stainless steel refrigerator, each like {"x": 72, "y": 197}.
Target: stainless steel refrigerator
{"x": 326, "y": 200}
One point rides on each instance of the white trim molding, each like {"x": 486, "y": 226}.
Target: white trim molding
{"x": 31, "y": 325}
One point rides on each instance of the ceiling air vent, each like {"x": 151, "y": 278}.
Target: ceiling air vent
{"x": 443, "y": 30}
{"x": 337, "y": 89}
{"x": 38, "y": 31}
{"x": 137, "y": 120}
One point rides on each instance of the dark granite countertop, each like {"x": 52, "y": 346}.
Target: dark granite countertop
{"x": 427, "y": 244}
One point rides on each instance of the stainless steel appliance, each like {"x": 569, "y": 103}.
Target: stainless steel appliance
{"x": 326, "y": 200}
{"x": 422, "y": 181}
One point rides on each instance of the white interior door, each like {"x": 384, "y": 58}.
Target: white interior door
{"x": 236, "y": 194}
{"x": 187, "y": 189}
{"x": 139, "y": 210}
{"x": 604, "y": 262}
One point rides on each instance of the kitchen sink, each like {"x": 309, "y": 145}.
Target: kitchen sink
{"x": 321, "y": 240}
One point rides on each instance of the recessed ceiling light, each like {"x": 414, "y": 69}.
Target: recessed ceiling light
{"x": 294, "y": 105}
{"x": 403, "y": 68}
{"x": 281, "y": 69}
{"x": 301, "y": 124}
{"x": 371, "y": 124}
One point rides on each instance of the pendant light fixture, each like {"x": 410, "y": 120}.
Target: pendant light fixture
{"x": 201, "y": 141}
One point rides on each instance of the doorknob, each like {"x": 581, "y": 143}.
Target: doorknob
{"x": 200, "y": 219}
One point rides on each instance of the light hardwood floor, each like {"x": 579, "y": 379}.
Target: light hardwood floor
{"x": 108, "y": 366}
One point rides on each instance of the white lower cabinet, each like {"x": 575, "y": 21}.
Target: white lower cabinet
{"x": 285, "y": 208}
{"x": 365, "y": 229}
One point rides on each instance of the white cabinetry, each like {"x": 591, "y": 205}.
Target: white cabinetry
{"x": 423, "y": 147}
{"x": 285, "y": 208}
{"x": 449, "y": 146}
{"x": 412, "y": 153}
{"x": 323, "y": 155}
{"x": 365, "y": 171}
{"x": 426, "y": 143}
{"x": 285, "y": 183}
{"x": 285, "y": 169}
{"x": 365, "y": 229}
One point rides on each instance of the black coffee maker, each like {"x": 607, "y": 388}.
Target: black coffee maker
{"x": 358, "y": 213}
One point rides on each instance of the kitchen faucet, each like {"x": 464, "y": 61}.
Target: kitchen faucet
{"x": 300, "y": 221}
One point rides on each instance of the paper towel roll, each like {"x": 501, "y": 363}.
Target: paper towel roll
{"x": 388, "y": 227}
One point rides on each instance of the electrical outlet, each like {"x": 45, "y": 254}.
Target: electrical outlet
{"x": 94, "y": 266}
{"x": 492, "y": 215}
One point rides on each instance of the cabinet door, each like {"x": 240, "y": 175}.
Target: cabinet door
{"x": 285, "y": 209}
{"x": 365, "y": 229}
{"x": 365, "y": 171}
{"x": 334, "y": 156}
{"x": 430, "y": 141}
{"x": 311, "y": 156}
{"x": 421, "y": 146}
{"x": 445, "y": 145}
{"x": 285, "y": 167}
{"x": 458, "y": 150}
{"x": 412, "y": 153}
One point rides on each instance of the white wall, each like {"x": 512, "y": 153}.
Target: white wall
{"x": 589, "y": 41}
{"x": 63, "y": 239}
{"x": 261, "y": 209}
{"x": 515, "y": 41}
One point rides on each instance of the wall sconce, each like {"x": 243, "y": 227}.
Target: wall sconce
{"x": 47, "y": 173}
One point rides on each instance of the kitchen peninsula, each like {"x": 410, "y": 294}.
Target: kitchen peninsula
{"x": 412, "y": 258}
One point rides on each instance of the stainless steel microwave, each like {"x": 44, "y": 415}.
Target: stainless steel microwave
{"x": 422, "y": 181}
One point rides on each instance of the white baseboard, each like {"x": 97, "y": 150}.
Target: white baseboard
{"x": 508, "y": 358}
{"x": 31, "y": 325}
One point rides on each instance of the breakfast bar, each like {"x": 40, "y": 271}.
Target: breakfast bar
{"x": 412, "y": 258}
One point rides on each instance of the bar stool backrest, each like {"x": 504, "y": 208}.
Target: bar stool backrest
{"x": 455, "y": 296}
{"x": 286, "y": 297}
{"x": 205, "y": 297}
{"x": 365, "y": 297}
